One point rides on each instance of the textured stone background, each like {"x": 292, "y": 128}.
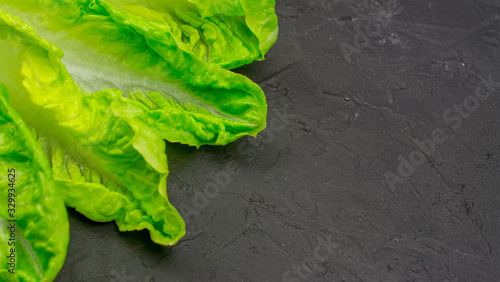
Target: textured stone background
{"x": 352, "y": 88}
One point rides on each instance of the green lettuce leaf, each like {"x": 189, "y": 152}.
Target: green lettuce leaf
{"x": 167, "y": 55}
{"x": 41, "y": 223}
{"x": 106, "y": 161}
{"x": 228, "y": 33}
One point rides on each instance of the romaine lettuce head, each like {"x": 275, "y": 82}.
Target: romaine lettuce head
{"x": 91, "y": 90}
{"x": 106, "y": 161}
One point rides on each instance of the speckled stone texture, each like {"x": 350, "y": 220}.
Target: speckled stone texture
{"x": 380, "y": 161}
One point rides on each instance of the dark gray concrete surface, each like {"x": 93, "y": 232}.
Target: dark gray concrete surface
{"x": 380, "y": 161}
